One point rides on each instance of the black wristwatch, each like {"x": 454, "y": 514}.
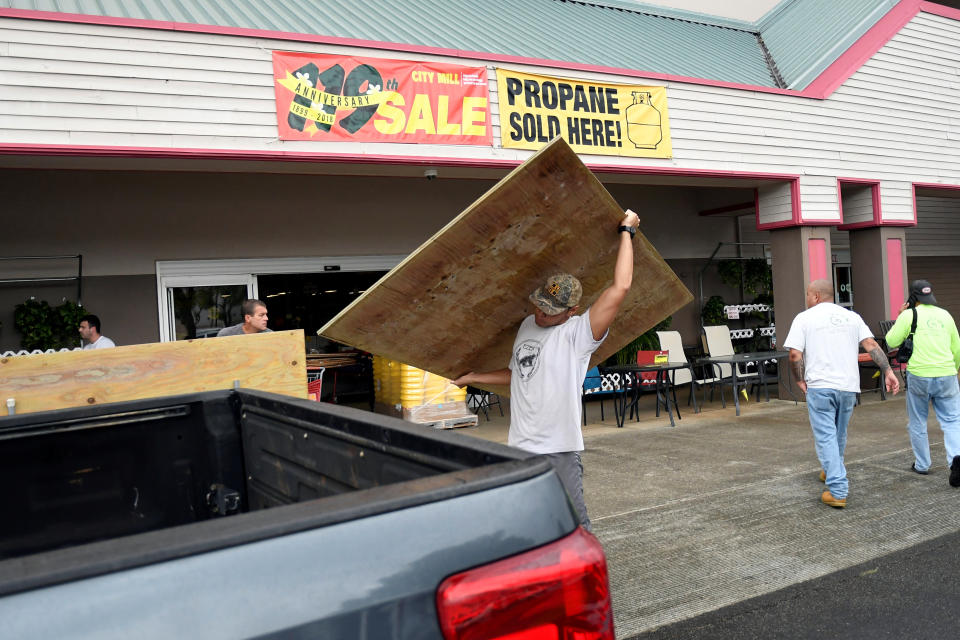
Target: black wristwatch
{"x": 631, "y": 230}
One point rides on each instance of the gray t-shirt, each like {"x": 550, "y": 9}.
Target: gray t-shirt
{"x": 547, "y": 367}
{"x": 237, "y": 330}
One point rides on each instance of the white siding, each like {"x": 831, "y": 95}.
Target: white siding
{"x": 895, "y": 120}
{"x": 898, "y": 198}
{"x": 775, "y": 204}
{"x": 857, "y": 203}
{"x": 819, "y": 199}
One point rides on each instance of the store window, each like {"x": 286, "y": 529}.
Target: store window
{"x": 201, "y": 311}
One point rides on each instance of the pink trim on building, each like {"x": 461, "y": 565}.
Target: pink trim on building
{"x": 817, "y": 258}
{"x": 894, "y": 276}
{"x": 936, "y": 185}
{"x": 877, "y": 219}
{"x": 794, "y": 220}
{"x": 940, "y": 10}
{"x": 863, "y": 49}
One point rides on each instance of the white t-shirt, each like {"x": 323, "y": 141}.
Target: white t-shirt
{"x": 103, "y": 342}
{"x": 829, "y": 337}
{"x": 547, "y": 367}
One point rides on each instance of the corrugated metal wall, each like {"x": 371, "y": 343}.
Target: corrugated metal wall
{"x": 944, "y": 275}
{"x": 938, "y": 228}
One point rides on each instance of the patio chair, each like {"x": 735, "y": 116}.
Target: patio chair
{"x": 480, "y": 400}
{"x": 719, "y": 344}
{"x": 645, "y": 380}
{"x": 885, "y": 326}
{"x": 596, "y": 385}
{"x": 672, "y": 342}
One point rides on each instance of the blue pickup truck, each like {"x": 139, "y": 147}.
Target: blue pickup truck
{"x": 242, "y": 514}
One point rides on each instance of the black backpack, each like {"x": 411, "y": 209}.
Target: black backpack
{"x": 906, "y": 349}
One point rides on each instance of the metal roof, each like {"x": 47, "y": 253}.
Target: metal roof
{"x": 805, "y": 36}
{"x": 802, "y": 36}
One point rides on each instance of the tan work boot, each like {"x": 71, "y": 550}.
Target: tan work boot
{"x": 827, "y": 498}
{"x": 823, "y": 475}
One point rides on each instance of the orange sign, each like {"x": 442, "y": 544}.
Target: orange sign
{"x": 349, "y": 99}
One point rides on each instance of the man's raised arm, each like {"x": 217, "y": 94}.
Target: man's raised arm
{"x": 604, "y": 310}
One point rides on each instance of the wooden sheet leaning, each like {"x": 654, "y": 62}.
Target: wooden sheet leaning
{"x": 455, "y": 303}
{"x": 266, "y": 361}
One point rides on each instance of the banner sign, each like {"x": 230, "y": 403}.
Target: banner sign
{"x": 351, "y": 99}
{"x": 592, "y": 117}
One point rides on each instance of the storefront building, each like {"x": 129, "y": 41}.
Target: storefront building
{"x": 196, "y": 153}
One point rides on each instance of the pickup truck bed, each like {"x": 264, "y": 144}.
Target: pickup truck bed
{"x": 246, "y": 514}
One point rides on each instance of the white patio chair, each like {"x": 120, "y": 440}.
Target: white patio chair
{"x": 719, "y": 344}
{"x": 672, "y": 342}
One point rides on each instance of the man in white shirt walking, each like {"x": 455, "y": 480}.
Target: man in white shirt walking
{"x": 823, "y": 343}
{"x": 90, "y": 332}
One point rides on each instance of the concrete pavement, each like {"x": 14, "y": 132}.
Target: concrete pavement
{"x": 722, "y": 508}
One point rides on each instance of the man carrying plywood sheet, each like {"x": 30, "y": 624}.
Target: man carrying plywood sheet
{"x": 453, "y": 304}
{"x": 550, "y": 357}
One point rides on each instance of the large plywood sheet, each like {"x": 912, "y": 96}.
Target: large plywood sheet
{"x": 454, "y": 305}
{"x": 272, "y": 361}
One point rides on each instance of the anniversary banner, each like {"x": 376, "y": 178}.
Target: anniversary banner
{"x": 352, "y": 99}
{"x": 593, "y": 117}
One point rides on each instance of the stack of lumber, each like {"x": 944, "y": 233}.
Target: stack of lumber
{"x": 330, "y": 360}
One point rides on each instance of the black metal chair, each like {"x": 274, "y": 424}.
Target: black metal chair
{"x": 885, "y": 326}
{"x": 480, "y": 400}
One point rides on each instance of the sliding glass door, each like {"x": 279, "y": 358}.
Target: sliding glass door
{"x": 199, "y": 306}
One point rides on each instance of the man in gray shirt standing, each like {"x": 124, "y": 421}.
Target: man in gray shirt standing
{"x": 254, "y": 320}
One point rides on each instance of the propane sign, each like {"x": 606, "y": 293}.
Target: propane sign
{"x": 592, "y": 117}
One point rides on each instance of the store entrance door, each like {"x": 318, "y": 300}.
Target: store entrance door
{"x": 843, "y": 285}
{"x": 199, "y": 306}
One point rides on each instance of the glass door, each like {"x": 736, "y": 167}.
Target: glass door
{"x": 199, "y": 306}
{"x": 843, "y": 285}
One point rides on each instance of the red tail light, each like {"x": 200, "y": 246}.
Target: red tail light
{"x": 557, "y": 592}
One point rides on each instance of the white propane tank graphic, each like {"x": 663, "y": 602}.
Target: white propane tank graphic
{"x": 643, "y": 121}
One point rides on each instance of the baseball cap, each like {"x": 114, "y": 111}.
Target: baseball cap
{"x": 923, "y": 292}
{"x": 560, "y": 292}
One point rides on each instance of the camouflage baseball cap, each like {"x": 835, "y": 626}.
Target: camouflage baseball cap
{"x": 559, "y": 293}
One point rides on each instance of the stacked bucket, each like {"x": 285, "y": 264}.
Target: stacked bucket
{"x": 419, "y": 396}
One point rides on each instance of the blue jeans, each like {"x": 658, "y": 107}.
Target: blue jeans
{"x": 830, "y": 412}
{"x": 944, "y": 393}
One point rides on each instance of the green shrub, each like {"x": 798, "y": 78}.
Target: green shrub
{"x": 44, "y": 327}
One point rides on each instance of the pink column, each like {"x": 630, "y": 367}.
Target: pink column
{"x": 817, "y": 258}
{"x": 894, "y": 276}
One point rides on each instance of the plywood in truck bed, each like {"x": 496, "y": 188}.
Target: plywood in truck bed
{"x": 272, "y": 361}
{"x": 454, "y": 305}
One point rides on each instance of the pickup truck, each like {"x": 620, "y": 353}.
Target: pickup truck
{"x": 243, "y": 514}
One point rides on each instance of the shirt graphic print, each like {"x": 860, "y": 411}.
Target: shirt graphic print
{"x": 528, "y": 358}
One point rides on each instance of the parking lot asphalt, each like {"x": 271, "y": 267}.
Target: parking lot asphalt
{"x": 721, "y": 509}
